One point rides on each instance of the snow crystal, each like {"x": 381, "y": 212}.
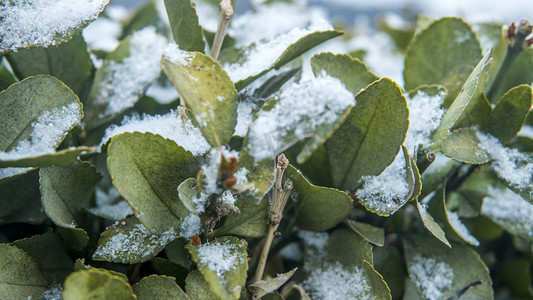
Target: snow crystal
{"x": 169, "y": 126}
{"x": 41, "y": 22}
{"x": 55, "y": 292}
{"x": 219, "y": 258}
{"x": 425, "y": 115}
{"x": 385, "y": 192}
{"x": 301, "y": 108}
{"x": 263, "y": 54}
{"x": 317, "y": 240}
{"x": 138, "y": 242}
{"x": 433, "y": 278}
{"x": 48, "y": 130}
{"x": 509, "y": 164}
{"x": 241, "y": 176}
{"x": 126, "y": 80}
{"x": 177, "y": 56}
{"x": 190, "y": 226}
{"x": 461, "y": 229}
{"x": 338, "y": 282}
{"x": 509, "y": 210}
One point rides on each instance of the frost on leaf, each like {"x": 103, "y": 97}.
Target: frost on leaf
{"x": 129, "y": 244}
{"x": 219, "y": 258}
{"x": 177, "y": 56}
{"x": 335, "y": 281}
{"x": 461, "y": 229}
{"x": 509, "y": 164}
{"x": 169, "y": 126}
{"x": 510, "y": 211}
{"x": 190, "y": 226}
{"x": 49, "y": 129}
{"x": 300, "y": 112}
{"x": 425, "y": 114}
{"x": 43, "y": 22}
{"x": 433, "y": 278}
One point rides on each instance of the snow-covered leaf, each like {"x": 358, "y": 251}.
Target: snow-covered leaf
{"x": 439, "y": 272}
{"x": 186, "y": 30}
{"x": 69, "y": 62}
{"x": 463, "y": 145}
{"x": 333, "y": 205}
{"x": 463, "y": 99}
{"x": 96, "y": 283}
{"x": 158, "y": 287}
{"x": 44, "y": 22}
{"x": 351, "y": 71}
{"x": 443, "y": 53}
{"x": 130, "y": 242}
{"x": 124, "y": 76}
{"x": 222, "y": 262}
{"x": 267, "y": 286}
{"x": 206, "y": 90}
{"x": 370, "y": 138}
{"x": 35, "y": 116}
{"x": 19, "y": 274}
{"x": 510, "y": 113}
{"x": 146, "y": 170}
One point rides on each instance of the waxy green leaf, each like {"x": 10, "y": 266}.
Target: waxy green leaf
{"x": 19, "y": 274}
{"x": 430, "y": 223}
{"x": 208, "y": 92}
{"x": 264, "y": 287}
{"x": 186, "y": 29}
{"x": 463, "y": 145}
{"x": 146, "y": 170}
{"x": 197, "y": 288}
{"x": 374, "y": 235}
{"x": 60, "y": 158}
{"x": 158, "y": 287}
{"x": 20, "y": 200}
{"x": 250, "y": 221}
{"x": 96, "y": 283}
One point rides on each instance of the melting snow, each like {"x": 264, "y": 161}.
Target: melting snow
{"x": 126, "y": 80}
{"x": 461, "y": 228}
{"x": 433, "y": 278}
{"x": 510, "y": 165}
{"x": 301, "y": 108}
{"x": 169, "y": 126}
{"x": 138, "y": 242}
{"x": 335, "y": 282}
{"x": 219, "y": 258}
{"x": 40, "y": 22}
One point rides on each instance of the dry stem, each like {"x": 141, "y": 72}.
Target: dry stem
{"x": 226, "y": 13}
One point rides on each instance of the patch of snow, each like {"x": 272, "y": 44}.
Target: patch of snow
{"x": 335, "y": 281}
{"x": 301, "y": 108}
{"x": 177, "y": 56}
{"x": 510, "y": 165}
{"x": 425, "y": 115}
{"x": 219, "y": 258}
{"x": 169, "y": 126}
{"x": 292, "y": 252}
{"x": 385, "y": 192}
{"x": 103, "y": 34}
{"x": 138, "y": 242}
{"x": 433, "y": 278}
{"x": 241, "y": 176}
{"x": 261, "y": 55}
{"x": 40, "y": 22}
{"x": 207, "y": 15}
{"x": 190, "y": 226}
{"x": 125, "y": 81}
{"x": 461, "y": 229}
{"x": 54, "y": 292}
{"x": 49, "y": 129}
{"x": 228, "y": 198}
{"x": 164, "y": 94}
{"x": 526, "y": 131}
{"x": 317, "y": 240}
{"x": 109, "y": 204}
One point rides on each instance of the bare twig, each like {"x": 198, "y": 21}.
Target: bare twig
{"x": 226, "y": 13}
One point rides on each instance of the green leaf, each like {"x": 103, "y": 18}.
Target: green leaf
{"x": 44, "y": 31}
{"x": 294, "y": 50}
{"x": 380, "y": 289}
{"x": 264, "y": 287}
{"x": 351, "y": 71}
{"x": 260, "y": 174}
{"x": 69, "y": 62}
{"x": 67, "y": 191}
{"x": 463, "y": 145}
{"x": 274, "y": 83}
{"x": 208, "y": 92}
{"x": 188, "y": 191}
{"x": 96, "y": 283}
{"x": 334, "y": 205}
{"x": 197, "y": 287}
{"x": 223, "y": 264}
{"x": 130, "y": 242}
{"x": 251, "y": 221}
{"x": 48, "y": 252}
{"x": 440, "y": 272}
{"x": 372, "y": 234}
{"x": 61, "y": 158}
{"x": 517, "y": 275}
{"x": 147, "y": 15}
{"x": 520, "y": 72}
{"x": 20, "y": 200}
{"x": 184, "y": 24}
{"x": 19, "y": 274}
{"x": 440, "y": 54}
{"x": 146, "y": 170}
{"x": 30, "y": 108}
{"x": 348, "y": 248}
{"x": 158, "y": 287}
{"x": 370, "y": 138}
{"x": 477, "y": 113}
{"x": 168, "y": 268}
{"x": 390, "y": 265}
{"x": 510, "y": 113}
{"x": 431, "y": 225}
{"x": 463, "y": 99}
